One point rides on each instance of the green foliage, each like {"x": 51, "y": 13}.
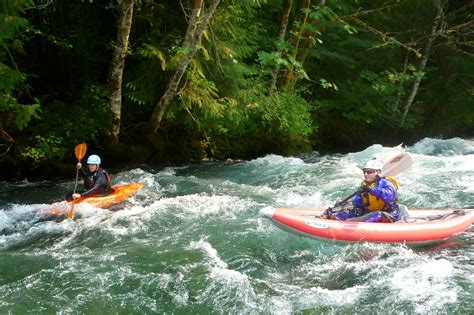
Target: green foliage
{"x": 25, "y": 113}
{"x": 10, "y": 20}
{"x": 152, "y": 52}
{"x": 362, "y": 81}
{"x": 325, "y": 84}
{"x": 201, "y": 94}
{"x": 288, "y": 112}
{"x": 84, "y": 120}
{"x": 326, "y": 16}
{"x": 358, "y": 66}
{"x": 47, "y": 147}
{"x": 282, "y": 59}
{"x": 62, "y": 125}
{"x": 372, "y": 98}
{"x": 12, "y": 80}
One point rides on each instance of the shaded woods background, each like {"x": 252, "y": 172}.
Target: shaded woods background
{"x": 159, "y": 81}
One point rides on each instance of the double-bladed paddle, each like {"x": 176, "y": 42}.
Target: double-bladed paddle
{"x": 79, "y": 151}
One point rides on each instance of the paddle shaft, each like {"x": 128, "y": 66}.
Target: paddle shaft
{"x": 70, "y": 214}
{"x": 75, "y": 184}
{"x": 345, "y": 201}
{"x": 79, "y": 151}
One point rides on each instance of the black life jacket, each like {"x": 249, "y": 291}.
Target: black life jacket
{"x": 91, "y": 178}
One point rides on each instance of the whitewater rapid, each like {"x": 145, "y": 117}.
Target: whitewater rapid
{"x": 192, "y": 241}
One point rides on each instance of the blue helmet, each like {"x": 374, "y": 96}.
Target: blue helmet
{"x": 93, "y": 159}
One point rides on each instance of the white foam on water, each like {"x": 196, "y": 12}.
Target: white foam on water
{"x": 194, "y": 206}
{"x": 22, "y": 223}
{"x": 272, "y": 160}
{"x": 290, "y": 199}
{"x": 275, "y": 169}
{"x": 428, "y": 284}
{"x": 411, "y": 278}
{"x": 226, "y": 284}
{"x": 15, "y": 213}
{"x": 321, "y": 296}
{"x": 292, "y": 299}
{"x": 443, "y": 147}
{"x": 46, "y": 228}
{"x": 10, "y": 240}
{"x": 376, "y": 151}
{"x": 228, "y": 186}
{"x": 128, "y": 221}
{"x": 271, "y": 271}
{"x": 436, "y": 181}
{"x": 210, "y": 252}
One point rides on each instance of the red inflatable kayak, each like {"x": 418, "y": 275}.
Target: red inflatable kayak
{"x": 421, "y": 227}
{"x": 121, "y": 192}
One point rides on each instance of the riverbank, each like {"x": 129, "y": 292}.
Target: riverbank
{"x": 125, "y": 157}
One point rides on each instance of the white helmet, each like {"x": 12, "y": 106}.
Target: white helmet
{"x": 93, "y": 159}
{"x": 373, "y": 165}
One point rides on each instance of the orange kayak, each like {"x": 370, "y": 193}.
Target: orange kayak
{"x": 121, "y": 192}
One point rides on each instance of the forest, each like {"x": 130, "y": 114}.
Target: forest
{"x": 172, "y": 81}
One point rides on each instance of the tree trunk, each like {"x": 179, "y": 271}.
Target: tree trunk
{"x": 400, "y": 91}
{"x": 302, "y": 17}
{"x": 196, "y": 26}
{"x": 301, "y": 41}
{"x": 308, "y": 38}
{"x": 434, "y": 33}
{"x": 114, "y": 81}
{"x": 281, "y": 37}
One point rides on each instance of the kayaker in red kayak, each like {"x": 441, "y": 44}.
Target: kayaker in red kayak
{"x": 96, "y": 180}
{"x": 375, "y": 201}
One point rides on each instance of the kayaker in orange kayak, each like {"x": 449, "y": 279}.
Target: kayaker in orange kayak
{"x": 96, "y": 180}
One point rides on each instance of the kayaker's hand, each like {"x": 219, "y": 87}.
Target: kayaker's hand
{"x": 363, "y": 187}
{"x": 326, "y": 213}
{"x": 76, "y": 195}
{"x": 78, "y": 165}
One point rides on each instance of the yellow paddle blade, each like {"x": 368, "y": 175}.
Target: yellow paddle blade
{"x": 80, "y": 151}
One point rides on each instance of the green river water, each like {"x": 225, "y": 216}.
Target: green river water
{"x": 192, "y": 242}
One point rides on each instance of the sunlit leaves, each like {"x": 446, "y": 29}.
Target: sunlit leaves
{"x": 154, "y": 53}
{"x": 43, "y": 147}
{"x": 327, "y": 85}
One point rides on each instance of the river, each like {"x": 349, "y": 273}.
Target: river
{"x": 192, "y": 241}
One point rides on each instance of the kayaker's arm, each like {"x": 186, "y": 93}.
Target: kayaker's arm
{"x": 357, "y": 201}
{"x": 385, "y": 190}
{"x": 82, "y": 171}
